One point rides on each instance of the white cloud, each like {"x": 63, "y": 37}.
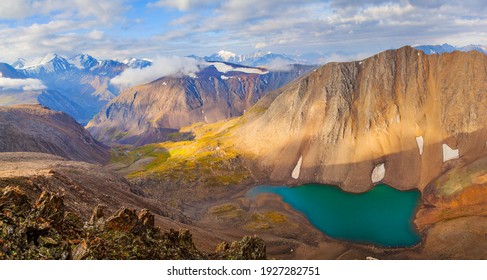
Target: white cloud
{"x": 349, "y": 26}
{"x": 161, "y": 67}
{"x": 182, "y": 5}
{"x": 260, "y": 45}
{"x": 334, "y": 57}
{"x": 38, "y": 39}
{"x": 104, "y": 10}
{"x": 24, "y": 84}
{"x": 15, "y": 9}
{"x": 96, "y": 35}
{"x": 279, "y": 65}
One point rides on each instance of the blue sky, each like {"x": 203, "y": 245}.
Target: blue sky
{"x": 341, "y": 29}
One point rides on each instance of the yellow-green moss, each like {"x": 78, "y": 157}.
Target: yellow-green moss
{"x": 264, "y": 221}
{"x": 226, "y": 211}
{"x": 208, "y": 160}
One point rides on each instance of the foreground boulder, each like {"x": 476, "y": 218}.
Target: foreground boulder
{"x": 46, "y": 231}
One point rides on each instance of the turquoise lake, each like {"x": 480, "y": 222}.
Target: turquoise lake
{"x": 382, "y": 216}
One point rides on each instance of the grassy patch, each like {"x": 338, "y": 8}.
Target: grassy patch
{"x": 265, "y": 221}
{"x": 226, "y": 211}
{"x": 209, "y": 160}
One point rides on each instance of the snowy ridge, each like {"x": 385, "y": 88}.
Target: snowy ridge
{"x": 53, "y": 63}
{"x": 263, "y": 59}
{"x": 225, "y": 68}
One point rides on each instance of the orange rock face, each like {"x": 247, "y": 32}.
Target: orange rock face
{"x": 345, "y": 119}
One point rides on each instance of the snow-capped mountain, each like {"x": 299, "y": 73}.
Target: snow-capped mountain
{"x": 263, "y": 59}
{"x": 54, "y": 63}
{"x": 137, "y": 63}
{"x": 48, "y": 64}
{"x": 83, "y": 61}
{"x": 479, "y": 48}
{"x": 225, "y": 56}
{"x": 446, "y": 48}
{"x": 436, "y": 49}
{"x": 20, "y": 63}
{"x": 81, "y": 83}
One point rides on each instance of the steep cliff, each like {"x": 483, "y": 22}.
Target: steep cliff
{"x": 399, "y": 117}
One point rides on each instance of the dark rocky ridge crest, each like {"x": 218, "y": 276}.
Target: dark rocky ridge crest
{"x": 32, "y": 128}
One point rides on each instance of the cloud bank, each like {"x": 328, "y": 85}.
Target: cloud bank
{"x": 161, "y": 67}
{"x": 124, "y": 28}
{"x": 23, "y": 84}
{"x": 279, "y": 65}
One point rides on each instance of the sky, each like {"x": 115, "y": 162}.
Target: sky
{"x": 340, "y": 29}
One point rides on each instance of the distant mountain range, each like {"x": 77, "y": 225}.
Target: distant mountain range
{"x": 446, "y": 48}
{"x": 79, "y": 85}
{"x": 264, "y": 59}
{"x": 54, "y": 63}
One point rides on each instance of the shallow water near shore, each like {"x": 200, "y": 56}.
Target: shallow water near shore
{"x": 382, "y": 216}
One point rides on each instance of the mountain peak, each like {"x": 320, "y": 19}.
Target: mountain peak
{"x": 49, "y": 57}
{"x": 226, "y": 55}
{"x": 51, "y": 62}
{"x": 137, "y": 63}
{"x": 19, "y": 63}
{"x": 83, "y": 61}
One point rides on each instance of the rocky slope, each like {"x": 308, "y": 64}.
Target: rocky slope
{"x": 61, "y": 224}
{"x": 399, "y": 117}
{"x": 148, "y": 113}
{"x": 32, "y": 128}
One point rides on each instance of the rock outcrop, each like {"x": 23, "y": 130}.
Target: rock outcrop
{"x": 45, "y": 231}
{"x": 32, "y": 128}
{"x": 82, "y": 185}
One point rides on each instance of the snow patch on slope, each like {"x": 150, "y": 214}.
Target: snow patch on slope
{"x": 449, "y": 153}
{"x": 225, "y": 68}
{"x": 297, "y": 168}
{"x": 420, "y": 142}
{"x": 379, "y": 173}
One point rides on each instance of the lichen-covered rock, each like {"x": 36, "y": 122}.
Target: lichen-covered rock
{"x": 47, "y": 232}
{"x": 146, "y": 218}
{"x": 80, "y": 252}
{"x": 14, "y": 199}
{"x": 145, "y": 221}
{"x": 249, "y": 248}
{"x": 123, "y": 220}
{"x": 50, "y": 208}
{"x": 97, "y": 217}
{"x": 72, "y": 220}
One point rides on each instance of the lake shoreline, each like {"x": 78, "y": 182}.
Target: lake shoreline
{"x": 336, "y": 225}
